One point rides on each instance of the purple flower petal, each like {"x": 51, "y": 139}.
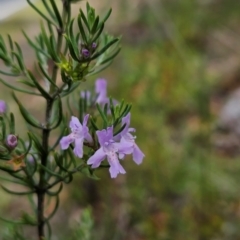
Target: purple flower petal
{"x": 115, "y": 166}
{"x": 74, "y": 124}
{"x": 124, "y": 146}
{"x": 137, "y": 154}
{"x": 66, "y": 141}
{"x": 126, "y": 120}
{"x": 3, "y": 107}
{"x": 78, "y": 148}
{"x": 79, "y": 133}
{"x": 85, "y": 120}
{"x": 101, "y": 90}
{"x": 105, "y": 135}
{"x": 86, "y": 134}
{"x": 101, "y": 86}
{"x": 96, "y": 159}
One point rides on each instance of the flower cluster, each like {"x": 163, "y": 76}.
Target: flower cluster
{"x": 113, "y": 148}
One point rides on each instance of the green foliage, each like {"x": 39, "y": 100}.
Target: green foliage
{"x": 84, "y": 227}
{"x": 41, "y": 167}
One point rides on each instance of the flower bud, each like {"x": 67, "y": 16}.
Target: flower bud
{"x": 12, "y": 141}
{"x": 85, "y": 53}
{"x": 3, "y": 107}
{"x": 94, "y": 45}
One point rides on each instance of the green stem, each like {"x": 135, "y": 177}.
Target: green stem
{"x": 60, "y": 32}
{"x": 41, "y": 188}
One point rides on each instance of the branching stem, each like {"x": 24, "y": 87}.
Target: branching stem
{"x": 41, "y": 188}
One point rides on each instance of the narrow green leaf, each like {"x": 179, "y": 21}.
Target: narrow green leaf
{"x": 55, "y": 193}
{"x": 82, "y": 31}
{"x": 19, "y": 60}
{"x": 39, "y": 12}
{"x": 88, "y": 7}
{"x": 101, "y": 27}
{"x": 39, "y": 87}
{"x": 26, "y": 115}
{"x": 107, "y": 15}
{"x": 17, "y": 193}
{"x": 38, "y": 144}
{"x": 120, "y": 130}
{"x": 51, "y": 31}
{"x": 29, "y": 84}
{"x": 111, "y": 57}
{"x": 104, "y": 49}
{"x": 12, "y": 124}
{"x": 19, "y": 50}
{"x": 58, "y": 161}
{"x": 18, "y": 89}
{"x": 90, "y": 14}
{"x": 73, "y": 40}
{"x": 33, "y": 45}
{"x": 105, "y": 109}
{"x": 3, "y": 126}
{"x": 95, "y": 127}
{"x": 102, "y": 115}
{"x": 72, "y": 159}
{"x": 9, "y": 74}
{"x": 3, "y": 46}
{"x": 57, "y": 14}
{"x": 5, "y": 58}
{"x": 99, "y": 69}
{"x": 45, "y": 37}
{"x": 69, "y": 106}
{"x": 10, "y": 41}
{"x": 73, "y": 87}
{"x": 112, "y": 109}
{"x": 13, "y": 181}
{"x": 49, "y": 171}
{"x": 71, "y": 49}
{"x": 84, "y": 19}
{"x": 68, "y": 179}
{"x": 52, "y": 50}
{"x": 46, "y": 75}
{"x": 49, "y": 10}
{"x": 10, "y": 221}
{"x": 95, "y": 25}
{"x": 60, "y": 114}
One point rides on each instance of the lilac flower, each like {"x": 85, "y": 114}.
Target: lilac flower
{"x": 86, "y": 94}
{"x": 3, "y": 107}
{"x": 109, "y": 148}
{"x": 126, "y": 137}
{"x": 101, "y": 90}
{"x": 12, "y": 141}
{"x": 79, "y": 133}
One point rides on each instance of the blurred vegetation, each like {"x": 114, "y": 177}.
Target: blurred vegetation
{"x": 186, "y": 189}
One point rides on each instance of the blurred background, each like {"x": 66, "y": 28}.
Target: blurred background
{"x": 180, "y": 68}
